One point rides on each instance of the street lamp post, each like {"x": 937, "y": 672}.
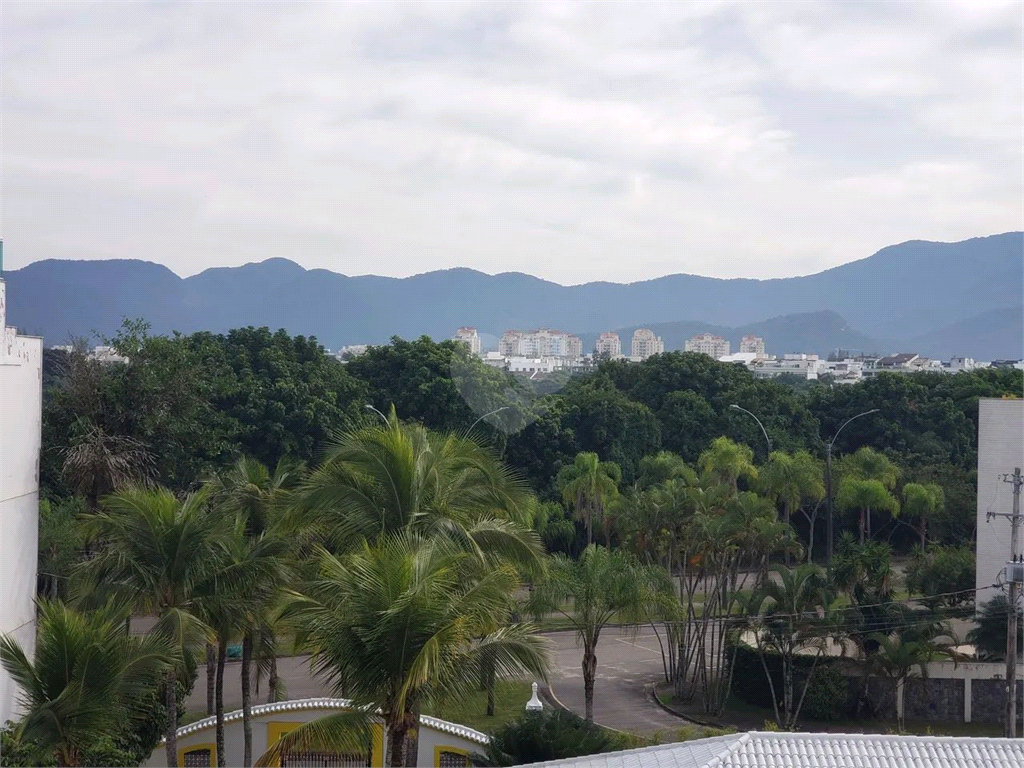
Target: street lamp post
{"x": 828, "y": 479}
{"x": 765, "y": 431}
{"x": 371, "y": 408}
{"x": 496, "y": 410}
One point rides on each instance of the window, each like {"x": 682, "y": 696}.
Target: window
{"x": 323, "y": 760}
{"x": 447, "y": 757}
{"x": 197, "y": 757}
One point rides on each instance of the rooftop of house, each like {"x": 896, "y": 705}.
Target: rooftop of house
{"x": 812, "y": 750}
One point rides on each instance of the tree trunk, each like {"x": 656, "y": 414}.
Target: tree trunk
{"x": 211, "y": 675}
{"x": 589, "y": 673}
{"x": 396, "y": 746}
{"x": 868, "y": 517}
{"x": 862, "y": 526}
{"x": 222, "y": 654}
{"x": 490, "y": 690}
{"x": 246, "y": 700}
{"x": 787, "y": 684}
{"x": 272, "y": 680}
{"x": 172, "y": 720}
{"x": 924, "y": 528}
{"x": 785, "y": 511}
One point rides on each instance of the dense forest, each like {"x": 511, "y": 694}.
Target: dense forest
{"x": 186, "y": 406}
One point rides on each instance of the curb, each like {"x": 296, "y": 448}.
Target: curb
{"x": 548, "y": 693}
{"x": 653, "y": 695}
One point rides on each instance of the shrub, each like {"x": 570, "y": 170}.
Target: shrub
{"x": 827, "y": 693}
{"x": 942, "y": 571}
{"x": 550, "y": 735}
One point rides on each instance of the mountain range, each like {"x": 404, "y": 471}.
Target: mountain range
{"x": 938, "y": 299}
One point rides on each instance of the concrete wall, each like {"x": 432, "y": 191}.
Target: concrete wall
{"x": 1000, "y": 450}
{"x": 270, "y": 720}
{"x": 21, "y": 360}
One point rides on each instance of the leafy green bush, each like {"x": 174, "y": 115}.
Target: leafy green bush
{"x": 944, "y": 576}
{"x": 18, "y": 753}
{"x": 550, "y": 735}
{"x": 827, "y": 693}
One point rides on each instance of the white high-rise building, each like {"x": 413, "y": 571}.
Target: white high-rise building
{"x": 470, "y": 337}
{"x": 1000, "y": 451}
{"x": 645, "y": 344}
{"x": 708, "y": 344}
{"x": 608, "y": 345}
{"x": 21, "y": 375}
{"x": 753, "y": 344}
{"x": 542, "y": 342}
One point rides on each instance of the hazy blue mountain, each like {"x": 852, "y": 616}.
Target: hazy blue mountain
{"x": 994, "y": 335}
{"x": 904, "y": 291}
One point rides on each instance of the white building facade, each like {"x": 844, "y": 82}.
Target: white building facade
{"x": 1000, "y": 451}
{"x": 753, "y": 344}
{"x": 542, "y": 342}
{"x": 645, "y": 344}
{"x": 470, "y": 338}
{"x": 708, "y": 344}
{"x": 608, "y": 345}
{"x": 21, "y": 376}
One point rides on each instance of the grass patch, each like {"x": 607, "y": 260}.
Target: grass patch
{"x": 510, "y": 697}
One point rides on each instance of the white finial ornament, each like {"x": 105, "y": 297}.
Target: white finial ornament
{"x": 534, "y": 704}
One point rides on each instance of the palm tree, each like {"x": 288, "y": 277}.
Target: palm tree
{"x": 257, "y": 499}
{"x": 864, "y": 496}
{"x": 922, "y": 501}
{"x": 89, "y": 678}
{"x": 378, "y": 480}
{"x": 163, "y": 556}
{"x": 868, "y": 464}
{"x": 727, "y": 461}
{"x": 98, "y": 462}
{"x": 588, "y": 485}
{"x": 399, "y": 623}
{"x": 599, "y": 586}
{"x": 792, "y": 480}
{"x": 989, "y": 636}
{"x": 901, "y": 654}
{"x": 790, "y": 615}
{"x": 662, "y": 467}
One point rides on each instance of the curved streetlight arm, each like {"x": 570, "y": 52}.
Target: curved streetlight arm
{"x": 763, "y": 430}
{"x": 371, "y": 408}
{"x": 496, "y": 410}
{"x": 836, "y": 435}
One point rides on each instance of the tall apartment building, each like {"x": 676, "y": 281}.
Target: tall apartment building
{"x": 608, "y": 344}
{"x": 470, "y": 337}
{"x": 542, "y": 342}
{"x": 645, "y": 344}
{"x": 21, "y": 372}
{"x": 708, "y": 344}
{"x": 753, "y": 344}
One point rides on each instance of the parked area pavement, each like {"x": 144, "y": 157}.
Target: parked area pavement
{"x": 626, "y": 666}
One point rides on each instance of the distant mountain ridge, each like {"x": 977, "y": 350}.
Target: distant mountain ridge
{"x": 913, "y": 292}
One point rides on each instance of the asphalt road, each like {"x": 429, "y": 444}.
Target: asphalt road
{"x": 625, "y": 666}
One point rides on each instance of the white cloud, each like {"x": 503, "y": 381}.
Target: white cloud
{"x": 575, "y": 141}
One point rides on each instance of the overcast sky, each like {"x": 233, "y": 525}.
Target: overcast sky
{"x": 574, "y": 141}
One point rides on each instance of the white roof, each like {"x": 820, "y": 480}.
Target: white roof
{"x": 813, "y": 750}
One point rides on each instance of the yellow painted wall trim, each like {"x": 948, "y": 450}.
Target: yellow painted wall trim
{"x": 197, "y": 748}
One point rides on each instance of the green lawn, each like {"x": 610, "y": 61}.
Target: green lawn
{"x": 510, "y": 697}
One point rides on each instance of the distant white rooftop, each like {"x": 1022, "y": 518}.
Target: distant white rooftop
{"x": 813, "y": 750}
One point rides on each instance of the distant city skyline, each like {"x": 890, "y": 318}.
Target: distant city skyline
{"x": 572, "y": 141}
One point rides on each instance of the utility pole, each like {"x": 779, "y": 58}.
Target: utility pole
{"x": 1010, "y": 724}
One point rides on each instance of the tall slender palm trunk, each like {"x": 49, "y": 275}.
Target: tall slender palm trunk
{"x": 222, "y": 655}
{"x": 272, "y": 681}
{"x": 589, "y": 673}
{"x": 172, "y": 720}
{"x": 247, "y": 699}
{"x": 211, "y": 676}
